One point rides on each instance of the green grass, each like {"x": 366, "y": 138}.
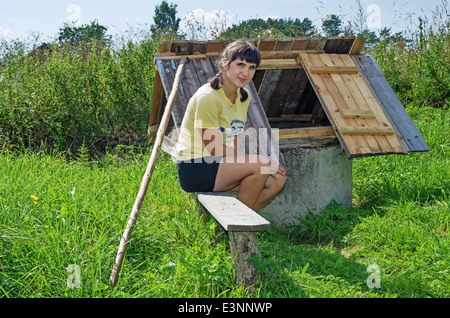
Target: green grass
{"x": 399, "y": 222}
{"x": 78, "y": 216}
{"x": 56, "y": 212}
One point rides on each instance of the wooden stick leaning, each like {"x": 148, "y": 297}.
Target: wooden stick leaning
{"x": 148, "y": 173}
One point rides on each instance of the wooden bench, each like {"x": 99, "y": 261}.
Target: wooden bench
{"x": 241, "y": 224}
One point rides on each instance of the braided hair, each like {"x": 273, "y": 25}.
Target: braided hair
{"x": 244, "y": 50}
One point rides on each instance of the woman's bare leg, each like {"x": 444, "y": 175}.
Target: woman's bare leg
{"x": 245, "y": 172}
{"x": 255, "y": 186}
{"x": 274, "y": 185}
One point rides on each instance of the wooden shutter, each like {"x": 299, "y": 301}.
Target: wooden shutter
{"x": 354, "y": 112}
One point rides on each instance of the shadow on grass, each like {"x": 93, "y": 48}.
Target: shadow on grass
{"x": 310, "y": 260}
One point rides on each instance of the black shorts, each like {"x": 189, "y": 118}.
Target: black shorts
{"x": 198, "y": 175}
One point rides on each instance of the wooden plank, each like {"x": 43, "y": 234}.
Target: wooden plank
{"x": 352, "y": 130}
{"x": 268, "y": 87}
{"x": 299, "y": 44}
{"x": 316, "y": 43}
{"x": 292, "y": 54}
{"x": 199, "y": 46}
{"x": 156, "y": 108}
{"x": 306, "y": 118}
{"x": 216, "y": 46}
{"x": 167, "y": 70}
{"x": 334, "y": 70}
{"x": 306, "y": 132}
{"x": 181, "y": 47}
{"x": 231, "y": 213}
{"x": 357, "y": 113}
{"x": 283, "y": 45}
{"x": 276, "y": 64}
{"x": 202, "y": 74}
{"x": 330, "y": 99}
{"x": 153, "y": 128}
{"x": 355, "y": 101}
{"x": 357, "y": 45}
{"x": 391, "y": 105}
{"x": 395, "y": 145}
{"x": 190, "y": 82}
{"x": 244, "y": 246}
{"x": 266, "y": 44}
{"x": 213, "y": 62}
{"x": 308, "y": 142}
{"x": 164, "y": 47}
{"x": 338, "y": 45}
{"x": 257, "y": 119}
{"x": 297, "y": 117}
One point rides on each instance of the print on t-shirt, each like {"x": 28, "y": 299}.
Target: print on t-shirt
{"x": 236, "y": 128}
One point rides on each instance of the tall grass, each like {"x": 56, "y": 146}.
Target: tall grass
{"x": 57, "y": 213}
{"x": 418, "y": 67}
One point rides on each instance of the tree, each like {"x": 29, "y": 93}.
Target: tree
{"x": 84, "y": 34}
{"x": 331, "y": 25}
{"x": 275, "y": 28}
{"x": 307, "y": 27}
{"x": 165, "y": 19}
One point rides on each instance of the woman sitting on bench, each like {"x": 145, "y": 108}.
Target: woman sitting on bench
{"x": 208, "y": 157}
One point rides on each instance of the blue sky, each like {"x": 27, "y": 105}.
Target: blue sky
{"x": 19, "y": 17}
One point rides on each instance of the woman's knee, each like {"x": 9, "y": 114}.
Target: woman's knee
{"x": 278, "y": 183}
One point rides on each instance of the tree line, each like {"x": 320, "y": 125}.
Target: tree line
{"x": 166, "y": 26}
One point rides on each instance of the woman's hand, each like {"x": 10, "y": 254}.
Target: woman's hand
{"x": 276, "y": 167}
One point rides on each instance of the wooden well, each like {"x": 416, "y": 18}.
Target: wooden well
{"x": 311, "y": 92}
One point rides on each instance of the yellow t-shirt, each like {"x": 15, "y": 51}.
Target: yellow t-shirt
{"x": 210, "y": 108}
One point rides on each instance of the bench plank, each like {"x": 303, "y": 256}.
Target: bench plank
{"x": 231, "y": 213}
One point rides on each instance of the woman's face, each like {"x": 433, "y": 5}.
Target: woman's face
{"x": 239, "y": 72}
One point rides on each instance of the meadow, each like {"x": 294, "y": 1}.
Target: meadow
{"x": 58, "y": 213}
{"x": 65, "y": 195}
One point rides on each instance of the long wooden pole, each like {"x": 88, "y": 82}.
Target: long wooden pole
{"x": 148, "y": 174}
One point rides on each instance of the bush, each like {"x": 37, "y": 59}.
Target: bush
{"x": 61, "y": 96}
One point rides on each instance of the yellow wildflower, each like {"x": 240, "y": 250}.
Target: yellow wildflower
{"x": 34, "y": 197}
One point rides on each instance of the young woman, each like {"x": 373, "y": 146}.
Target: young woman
{"x": 208, "y": 155}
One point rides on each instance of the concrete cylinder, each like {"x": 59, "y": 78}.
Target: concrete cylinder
{"x": 315, "y": 178}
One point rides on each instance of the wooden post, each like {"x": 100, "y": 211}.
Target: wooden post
{"x": 244, "y": 245}
{"x": 148, "y": 174}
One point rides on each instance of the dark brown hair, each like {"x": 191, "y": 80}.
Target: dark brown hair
{"x": 244, "y": 50}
